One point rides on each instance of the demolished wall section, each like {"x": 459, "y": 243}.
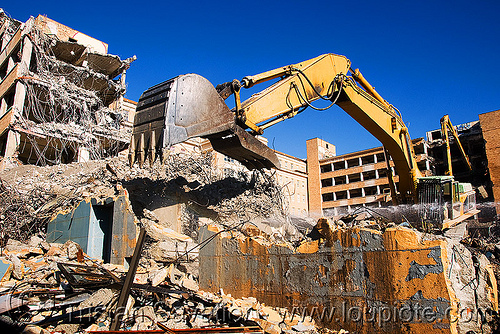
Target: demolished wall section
{"x": 61, "y": 93}
{"x": 358, "y": 279}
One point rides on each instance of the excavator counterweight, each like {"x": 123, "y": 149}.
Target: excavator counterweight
{"x": 189, "y": 106}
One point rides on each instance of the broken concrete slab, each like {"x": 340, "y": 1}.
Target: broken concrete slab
{"x": 21, "y": 249}
{"x": 173, "y": 250}
{"x": 71, "y": 249}
{"x": 161, "y": 233}
{"x": 17, "y": 267}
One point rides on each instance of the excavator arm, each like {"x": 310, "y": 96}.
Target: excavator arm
{"x": 189, "y": 106}
{"x": 445, "y": 127}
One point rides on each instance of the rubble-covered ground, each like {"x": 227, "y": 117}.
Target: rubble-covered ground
{"x": 36, "y": 290}
{"x": 30, "y": 196}
{"x": 162, "y": 294}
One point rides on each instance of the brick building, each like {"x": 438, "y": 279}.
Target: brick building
{"x": 490, "y": 125}
{"x": 340, "y": 183}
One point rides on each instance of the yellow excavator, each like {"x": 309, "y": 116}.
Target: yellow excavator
{"x": 190, "y": 106}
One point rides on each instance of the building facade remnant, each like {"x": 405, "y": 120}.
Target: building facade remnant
{"x": 338, "y": 184}
{"x": 61, "y": 94}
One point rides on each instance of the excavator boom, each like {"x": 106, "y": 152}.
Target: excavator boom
{"x": 189, "y": 106}
{"x": 445, "y": 127}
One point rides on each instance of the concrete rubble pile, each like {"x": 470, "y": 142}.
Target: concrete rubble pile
{"x": 231, "y": 256}
{"x": 30, "y": 196}
{"x": 36, "y": 289}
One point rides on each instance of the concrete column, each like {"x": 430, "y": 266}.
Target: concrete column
{"x": 313, "y": 177}
{"x": 3, "y": 107}
{"x": 333, "y": 181}
{"x": 378, "y": 190}
{"x": 346, "y": 179}
{"x": 13, "y": 142}
{"x": 376, "y": 174}
{"x": 19, "y": 97}
{"x": 360, "y": 161}
{"x": 361, "y": 177}
{"x": 10, "y": 64}
{"x": 345, "y": 164}
{"x": 363, "y": 194}
{"x": 26, "y": 55}
{"x": 348, "y": 194}
{"x": 83, "y": 154}
{"x": 334, "y": 196}
{"x": 375, "y": 158}
{"x": 4, "y": 42}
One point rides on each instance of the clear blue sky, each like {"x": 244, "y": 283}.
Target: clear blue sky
{"x": 427, "y": 58}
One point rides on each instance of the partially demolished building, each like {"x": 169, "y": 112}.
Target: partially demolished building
{"x": 61, "y": 94}
{"x": 339, "y": 184}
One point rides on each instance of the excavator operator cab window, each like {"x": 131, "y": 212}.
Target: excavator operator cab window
{"x": 447, "y": 190}
{"x": 456, "y": 192}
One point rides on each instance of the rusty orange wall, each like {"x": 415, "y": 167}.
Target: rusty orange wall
{"x": 354, "y": 269}
{"x": 490, "y": 125}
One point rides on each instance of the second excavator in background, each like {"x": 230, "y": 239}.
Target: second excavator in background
{"x": 190, "y": 106}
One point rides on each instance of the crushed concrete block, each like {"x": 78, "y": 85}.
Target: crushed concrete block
{"x": 33, "y": 329}
{"x": 158, "y": 276}
{"x": 18, "y": 267}
{"x": 172, "y": 249}
{"x": 21, "y": 250}
{"x": 71, "y": 249}
{"x": 300, "y": 327}
{"x": 35, "y": 241}
{"x": 144, "y": 317}
{"x": 200, "y": 322}
{"x": 54, "y": 250}
{"x": 100, "y": 297}
{"x": 268, "y": 327}
{"x": 271, "y": 314}
{"x": 160, "y": 233}
{"x": 190, "y": 284}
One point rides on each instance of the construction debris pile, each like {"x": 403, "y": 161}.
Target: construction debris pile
{"x": 30, "y": 195}
{"x": 57, "y": 288}
{"x": 69, "y": 106}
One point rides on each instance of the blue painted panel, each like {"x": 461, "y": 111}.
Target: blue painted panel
{"x": 71, "y": 226}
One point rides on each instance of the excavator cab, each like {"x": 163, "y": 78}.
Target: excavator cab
{"x": 189, "y": 106}
{"x": 444, "y": 201}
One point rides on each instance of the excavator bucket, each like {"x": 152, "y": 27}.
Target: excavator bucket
{"x": 189, "y": 106}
